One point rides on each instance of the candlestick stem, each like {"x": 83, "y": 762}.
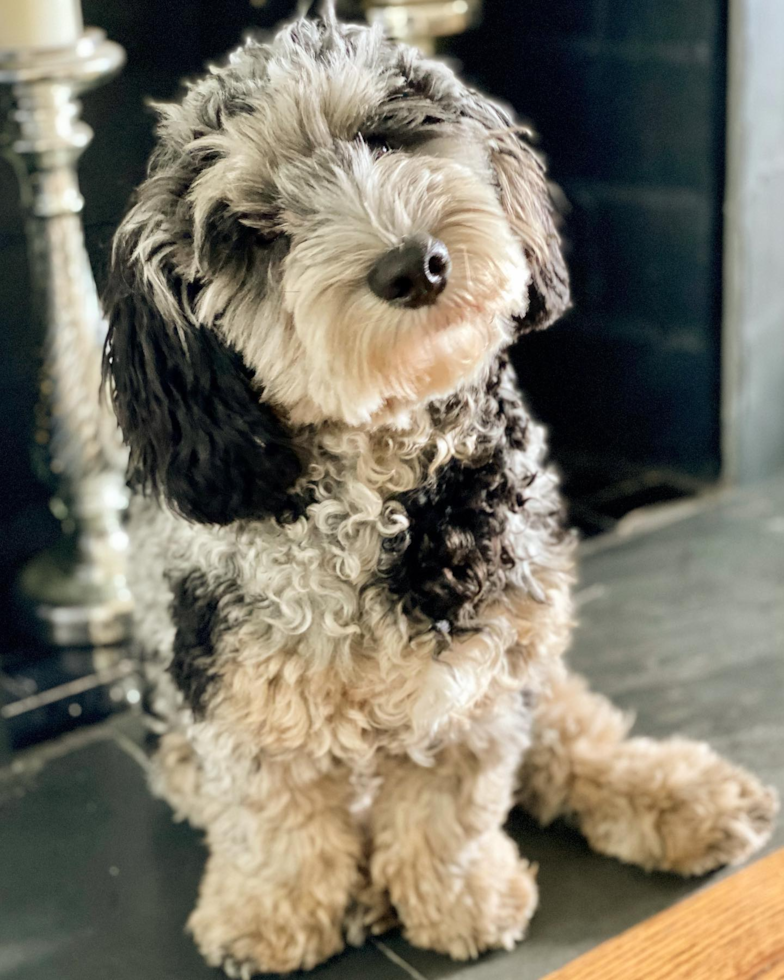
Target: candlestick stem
{"x": 76, "y": 593}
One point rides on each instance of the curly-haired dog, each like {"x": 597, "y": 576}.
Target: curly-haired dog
{"x": 354, "y": 596}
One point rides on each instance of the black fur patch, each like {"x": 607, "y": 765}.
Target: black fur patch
{"x": 452, "y": 558}
{"x": 198, "y": 616}
{"x": 198, "y": 432}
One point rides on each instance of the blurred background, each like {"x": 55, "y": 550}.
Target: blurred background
{"x": 663, "y": 123}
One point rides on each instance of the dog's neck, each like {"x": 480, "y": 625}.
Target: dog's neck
{"x": 391, "y": 459}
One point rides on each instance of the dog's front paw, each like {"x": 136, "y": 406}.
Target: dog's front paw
{"x": 249, "y": 930}
{"x": 684, "y": 809}
{"x": 260, "y": 939}
{"x": 462, "y": 912}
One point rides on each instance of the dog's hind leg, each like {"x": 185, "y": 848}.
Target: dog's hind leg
{"x": 672, "y": 805}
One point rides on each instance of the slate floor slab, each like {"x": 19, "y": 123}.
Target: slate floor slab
{"x": 684, "y": 624}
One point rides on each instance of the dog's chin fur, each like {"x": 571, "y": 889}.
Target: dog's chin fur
{"x": 353, "y": 588}
{"x": 434, "y": 363}
{"x": 420, "y": 366}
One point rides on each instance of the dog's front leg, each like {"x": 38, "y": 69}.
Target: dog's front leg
{"x": 454, "y": 877}
{"x": 672, "y": 805}
{"x": 282, "y": 869}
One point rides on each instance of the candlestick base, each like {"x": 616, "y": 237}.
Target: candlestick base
{"x": 75, "y": 593}
{"x": 63, "y": 604}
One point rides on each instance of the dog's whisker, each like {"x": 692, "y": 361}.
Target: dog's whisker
{"x": 467, "y": 260}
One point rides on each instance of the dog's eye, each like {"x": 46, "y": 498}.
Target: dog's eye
{"x": 263, "y": 226}
{"x": 377, "y": 143}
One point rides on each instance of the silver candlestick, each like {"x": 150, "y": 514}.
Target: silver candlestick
{"x": 76, "y": 593}
{"x": 422, "y": 22}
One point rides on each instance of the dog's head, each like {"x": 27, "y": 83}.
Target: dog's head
{"x": 333, "y": 228}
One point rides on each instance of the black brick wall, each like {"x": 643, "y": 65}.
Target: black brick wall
{"x": 628, "y": 98}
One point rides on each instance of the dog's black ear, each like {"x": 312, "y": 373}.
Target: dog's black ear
{"x": 526, "y": 198}
{"x": 198, "y": 433}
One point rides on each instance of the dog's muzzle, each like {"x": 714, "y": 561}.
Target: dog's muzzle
{"x": 412, "y": 275}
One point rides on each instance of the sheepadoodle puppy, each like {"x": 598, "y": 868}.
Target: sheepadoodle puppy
{"x": 350, "y": 566}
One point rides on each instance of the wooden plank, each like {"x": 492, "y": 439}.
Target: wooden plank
{"x": 733, "y": 930}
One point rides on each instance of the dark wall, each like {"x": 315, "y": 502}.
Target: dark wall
{"x": 628, "y": 98}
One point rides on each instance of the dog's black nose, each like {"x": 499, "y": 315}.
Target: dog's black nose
{"x": 412, "y": 275}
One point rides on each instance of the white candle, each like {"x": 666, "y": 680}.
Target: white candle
{"x": 28, "y": 24}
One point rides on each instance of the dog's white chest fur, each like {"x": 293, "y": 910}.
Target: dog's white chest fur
{"x": 315, "y": 649}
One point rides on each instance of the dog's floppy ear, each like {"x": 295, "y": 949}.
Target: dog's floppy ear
{"x": 198, "y": 433}
{"x": 526, "y": 198}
